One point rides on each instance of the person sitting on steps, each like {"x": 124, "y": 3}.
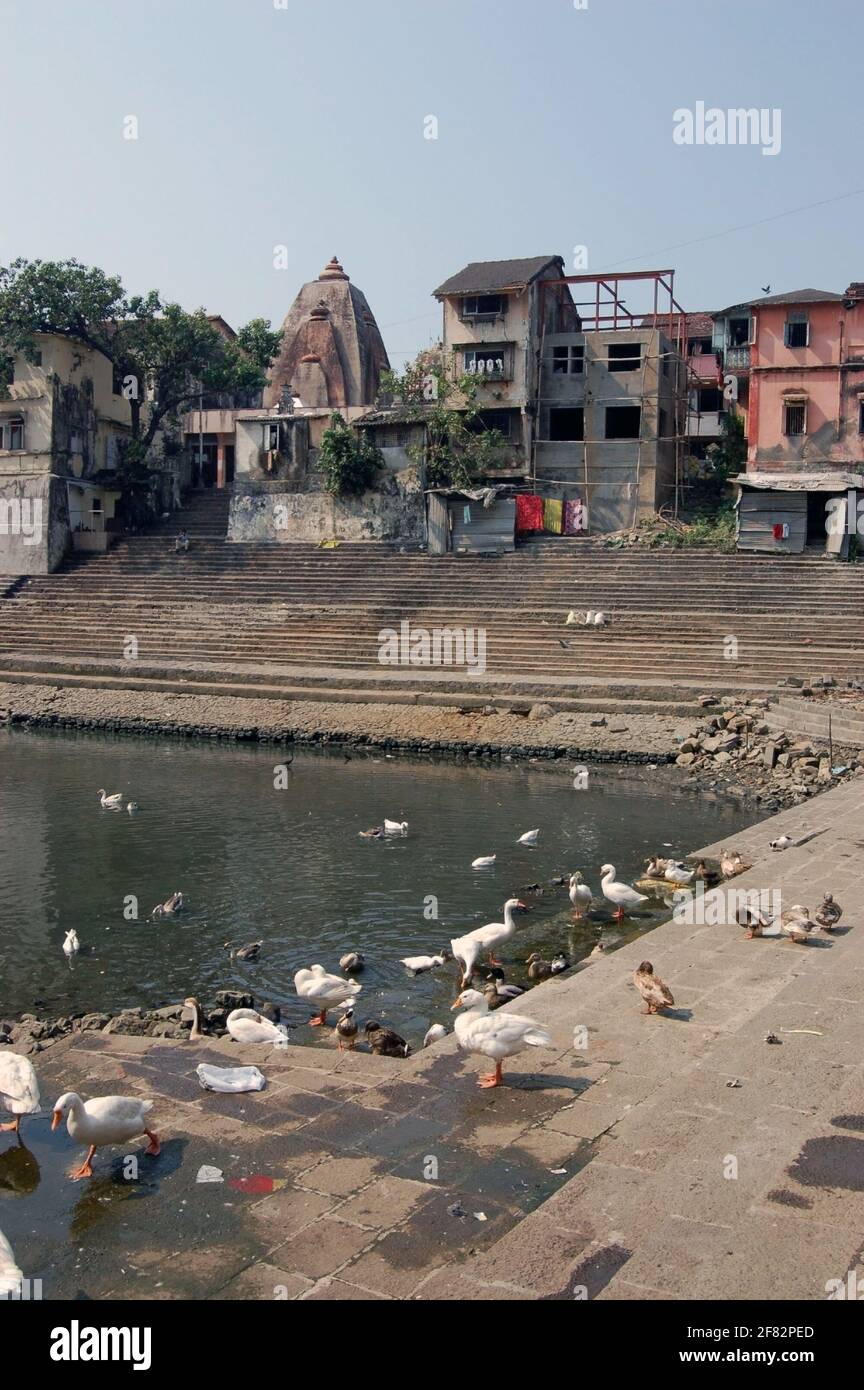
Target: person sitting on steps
{"x": 181, "y": 542}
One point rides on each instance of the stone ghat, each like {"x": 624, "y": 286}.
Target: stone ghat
{"x": 677, "y": 1156}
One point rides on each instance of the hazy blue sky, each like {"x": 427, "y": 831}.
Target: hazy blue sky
{"x": 303, "y": 126}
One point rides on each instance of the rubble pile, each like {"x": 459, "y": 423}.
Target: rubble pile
{"x": 735, "y": 749}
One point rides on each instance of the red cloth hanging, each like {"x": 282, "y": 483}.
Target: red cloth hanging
{"x": 529, "y": 512}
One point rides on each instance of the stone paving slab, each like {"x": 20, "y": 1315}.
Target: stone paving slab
{"x": 627, "y": 1169}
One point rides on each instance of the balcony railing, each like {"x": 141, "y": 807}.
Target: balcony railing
{"x": 736, "y": 358}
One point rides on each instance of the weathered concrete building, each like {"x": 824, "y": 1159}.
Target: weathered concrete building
{"x": 332, "y": 353}
{"x": 63, "y": 419}
{"x": 495, "y": 315}
{"x": 805, "y": 422}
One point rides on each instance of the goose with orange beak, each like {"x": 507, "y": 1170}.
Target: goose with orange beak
{"x": 496, "y": 1035}
{"x": 467, "y": 948}
{"x": 104, "y": 1120}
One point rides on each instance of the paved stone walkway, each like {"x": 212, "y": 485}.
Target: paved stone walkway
{"x": 629, "y": 1169}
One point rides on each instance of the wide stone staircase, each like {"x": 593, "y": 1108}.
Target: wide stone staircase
{"x": 295, "y": 621}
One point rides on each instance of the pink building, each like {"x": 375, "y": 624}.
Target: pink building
{"x": 802, "y": 376}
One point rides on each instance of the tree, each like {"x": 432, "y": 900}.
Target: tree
{"x": 349, "y": 463}
{"x": 167, "y": 355}
{"x": 729, "y": 456}
{"x": 459, "y": 449}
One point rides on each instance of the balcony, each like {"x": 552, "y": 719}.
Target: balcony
{"x": 736, "y": 359}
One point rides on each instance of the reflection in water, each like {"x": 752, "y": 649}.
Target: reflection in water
{"x": 19, "y": 1171}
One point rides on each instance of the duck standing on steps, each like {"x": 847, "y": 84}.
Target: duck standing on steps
{"x": 828, "y": 913}
{"x": 621, "y": 894}
{"x": 104, "y": 1120}
{"x": 19, "y": 1089}
{"x": 346, "y": 1029}
{"x": 496, "y": 1035}
{"x": 656, "y": 995}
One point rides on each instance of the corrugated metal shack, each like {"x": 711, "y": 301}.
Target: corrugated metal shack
{"x": 785, "y": 512}
{"x": 471, "y": 521}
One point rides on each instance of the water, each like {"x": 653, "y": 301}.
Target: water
{"x": 287, "y": 866}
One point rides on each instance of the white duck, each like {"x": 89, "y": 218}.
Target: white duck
{"x": 485, "y": 861}
{"x": 434, "y": 1034}
{"x": 71, "y": 944}
{"x": 115, "y": 799}
{"x": 248, "y": 1026}
{"x": 19, "y": 1089}
{"x": 11, "y": 1277}
{"x": 580, "y": 895}
{"x": 418, "y": 965}
{"x": 104, "y": 1120}
{"x": 529, "y": 838}
{"x": 676, "y": 873}
{"x": 325, "y": 991}
{"x": 395, "y": 827}
{"x": 467, "y": 948}
{"x": 621, "y": 894}
{"x": 498, "y": 1035}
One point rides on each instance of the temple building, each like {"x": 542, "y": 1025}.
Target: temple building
{"x": 332, "y": 352}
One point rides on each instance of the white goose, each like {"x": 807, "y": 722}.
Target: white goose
{"x": 529, "y": 838}
{"x": 434, "y": 1034}
{"x": 19, "y": 1089}
{"x": 11, "y": 1277}
{"x": 248, "y": 1026}
{"x": 621, "y": 894}
{"x": 71, "y": 944}
{"x": 485, "y": 861}
{"x": 580, "y": 894}
{"x": 323, "y": 990}
{"x": 395, "y": 827}
{"x": 498, "y": 1035}
{"x": 467, "y": 948}
{"x": 104, "y": 1120}
{"x": 115, "y": 799}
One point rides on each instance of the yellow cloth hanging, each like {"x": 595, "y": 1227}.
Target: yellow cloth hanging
{"x": 553, "y": 515}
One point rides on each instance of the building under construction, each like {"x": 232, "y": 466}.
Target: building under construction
{"x": 590, "y": 395}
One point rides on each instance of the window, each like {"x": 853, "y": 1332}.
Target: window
{"x": 625, "y": 357}
{"x": 739, "y": 332}
{"x": 794, "y": 417}
{"x": 37, "y": 358}
{"x": 861, "y": 416}
{"x": 12, "y": 432}
{"x": 486, "y": 361}
{"x": 697, "y": 346}
{"x": 567, "y": 423}
{"x": 797, "y": 331}
{"x": 568, "y": 361}
{"x": 623, "y": 421}
{"x": 482, "y": 306}
{"x": 500, "y": 420}
{"x": 709, "y": 399}
{"x": 662, "y": 423}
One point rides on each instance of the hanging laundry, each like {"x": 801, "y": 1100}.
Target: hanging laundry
{"x": 529, "y": 512}
{"x": 553, "y": 515}
{"x": 575, "y": 517}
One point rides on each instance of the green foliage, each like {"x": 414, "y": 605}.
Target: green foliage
{"x": 458, "y": 449}
{"x": 349, "y": 460}
{"x": 729, "y": 456}
{"x": 708, "y": 531}
{"x": 171, "y": 354}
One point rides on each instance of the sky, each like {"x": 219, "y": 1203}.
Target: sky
{"x": 303, "y": 124}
